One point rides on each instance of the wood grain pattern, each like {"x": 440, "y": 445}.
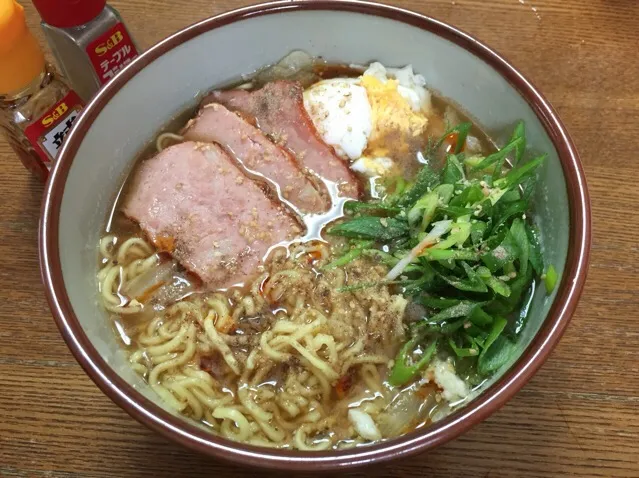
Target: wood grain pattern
{"x": 577, "y": 417}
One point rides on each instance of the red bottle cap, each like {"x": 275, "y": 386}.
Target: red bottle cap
{"x": 68, "y": 13}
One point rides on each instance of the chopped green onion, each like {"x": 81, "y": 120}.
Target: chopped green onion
{"x": 550, "y": 279}
{"x": 424, "y": 208}
{"x": 493, "y": 358}
{"x": 432, "y": 254}
{"x": 426, "y": 179}
{"x": 499, "y": 156}
{"x": 459, "y": 243}
{"x": 349, "y": 256}
{"x": 403, "y": 370}
{"x": 453, "y": 171}
{"x": 371, "y": 227}
{"x": 499, "y": 324}
{"x": 462, "y": 131}
{"x": 445, "y": 193}
{"x": 518, "y": 175}
{"x": 462, "y": 309}
{"x": 519, "y": 132}
{"x": 462, "y": 352}
{"x": 376, "y": 206}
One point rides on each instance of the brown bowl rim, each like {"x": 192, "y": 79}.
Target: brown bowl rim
{"x": 203, "y": 441}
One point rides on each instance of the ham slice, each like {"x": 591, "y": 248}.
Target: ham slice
{"x": 215, "y": 123}
{"x": 278, "y": 109}
{"x": 218, "y": 222}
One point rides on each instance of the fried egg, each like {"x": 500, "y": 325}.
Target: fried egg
{"x": 372, "y": 118}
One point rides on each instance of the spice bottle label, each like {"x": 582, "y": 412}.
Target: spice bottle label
{"x": 111, "y": 51}
{"x": 47, "y": 133}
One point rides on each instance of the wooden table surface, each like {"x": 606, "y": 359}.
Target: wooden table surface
{"x": 578, "y": 417}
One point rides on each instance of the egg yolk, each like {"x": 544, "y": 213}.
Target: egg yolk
{"x": 395, "y": 123}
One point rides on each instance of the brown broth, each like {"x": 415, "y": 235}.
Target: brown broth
{"x": 132, "y": 328}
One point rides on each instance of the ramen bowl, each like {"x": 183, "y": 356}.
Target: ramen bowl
{"x": 125, "y": 116}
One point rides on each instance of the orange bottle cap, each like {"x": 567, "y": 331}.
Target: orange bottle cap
{"x": 21, "y": 59}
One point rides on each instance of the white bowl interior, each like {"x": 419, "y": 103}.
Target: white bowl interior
{"x": 169, "y": 84}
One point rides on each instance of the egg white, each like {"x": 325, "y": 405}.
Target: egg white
{"x": 341, "y": 112}
{"x": 373, "y": 167}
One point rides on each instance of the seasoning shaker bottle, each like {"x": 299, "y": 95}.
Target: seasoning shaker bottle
{"x": 88, "y": 39}
{"x": 37, "y": 107}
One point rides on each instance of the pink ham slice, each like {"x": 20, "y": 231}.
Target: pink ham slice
{"x": 278, "y": 109}
{"x": 216, "y": 222}
{"x": 215, "y": 123}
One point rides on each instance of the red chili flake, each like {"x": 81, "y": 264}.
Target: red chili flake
{"x": 165, "y": 243}
{"x": 450, "y": 143}
{"x": 344, "y": 384}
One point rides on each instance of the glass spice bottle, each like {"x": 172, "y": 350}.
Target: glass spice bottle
{"x": 37, "y": 107}
{"x": 88, "y": 39}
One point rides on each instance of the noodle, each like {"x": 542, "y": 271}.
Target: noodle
{"x": 217, "y": 342}
{"x": 162, "y": 140}
{"x": 260, "y": 365}
{"x": 238, "y": 419}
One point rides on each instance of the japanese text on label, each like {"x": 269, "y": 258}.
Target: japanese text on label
{"x": 52, "y": 141}
{"x": 111, "y": 52}
{"x": 118, "y": 61}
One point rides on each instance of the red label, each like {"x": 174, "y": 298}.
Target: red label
{"x": 47, "y": 133}
{"x": 111, "y": 52}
